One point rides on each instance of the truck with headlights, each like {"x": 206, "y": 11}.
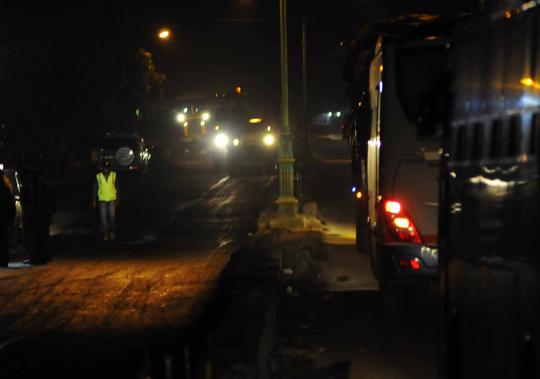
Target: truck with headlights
{"x": 244, "y": 137}
{"x": 193, "y": 118}
{"x": 245, "y": 145}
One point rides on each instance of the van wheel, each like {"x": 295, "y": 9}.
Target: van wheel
{"x": 373, "y": 257}
{"x": 362, "y": 230}
{"x": 393, "y": 300}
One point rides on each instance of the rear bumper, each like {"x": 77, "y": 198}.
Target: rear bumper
{"x": 392, "y": 253}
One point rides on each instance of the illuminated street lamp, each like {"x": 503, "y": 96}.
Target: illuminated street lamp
{"x": 164, "y": 34}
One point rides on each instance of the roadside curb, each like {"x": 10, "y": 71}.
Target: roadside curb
{"x": 244, "y": 340}
{"x": 269, "y": 222}
{"x": 275, "y": 263}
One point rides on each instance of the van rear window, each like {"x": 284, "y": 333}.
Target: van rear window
{"x": 421, "y": 80}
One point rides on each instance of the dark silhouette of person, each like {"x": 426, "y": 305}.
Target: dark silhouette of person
{"x": 38, "y": 206}
{"x": 7, "y": 215}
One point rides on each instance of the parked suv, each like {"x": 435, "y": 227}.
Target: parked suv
{"x": 127, "y": 153}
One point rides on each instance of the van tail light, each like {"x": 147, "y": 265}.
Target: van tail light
{"x": 401, "y": 227}
{"x": 413, "y": 263}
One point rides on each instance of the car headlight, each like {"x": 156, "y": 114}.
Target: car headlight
{"x": 206, "y": 116}
{"x": 269, "y": 139}
{"x": 180, "y": 117}
{"x": 221, "y": 140}
{"x": 236, "y": 142}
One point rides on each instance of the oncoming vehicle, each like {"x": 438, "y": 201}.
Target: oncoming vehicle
{"x": 244, "y": 136}
{"x": 127, "y": 153}
{"x": 246, "y": 145}
{"x": 193, "y": 118}
{"x": 490, "y": 198}
{"x": 402, "y": 158}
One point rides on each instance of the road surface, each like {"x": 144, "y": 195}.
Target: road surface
{"x": 124, "y": 308}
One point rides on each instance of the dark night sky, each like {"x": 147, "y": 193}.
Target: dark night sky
{"x": 62, "y": 59}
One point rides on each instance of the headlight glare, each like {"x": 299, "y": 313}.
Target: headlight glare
{"x": 180, "y": 117}
{"x": 206, "y": 116}
{"x": 269, "y": 139}
{"x": 221, "y": 140}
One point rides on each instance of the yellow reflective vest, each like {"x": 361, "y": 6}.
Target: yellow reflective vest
{"x": 106, "y": 186}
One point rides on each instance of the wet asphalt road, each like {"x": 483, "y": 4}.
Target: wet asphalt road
{"x": 123, "y": 308}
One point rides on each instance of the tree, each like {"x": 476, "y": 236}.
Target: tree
{"x": 138, "y": 84}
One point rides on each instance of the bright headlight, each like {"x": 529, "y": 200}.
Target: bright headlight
{"x": 206, "y": 116}
{"x": 269, "y": 140}
{"x": 180, "y": 117}
{"x": 221, "y": 140}
{"x": 236, "y": 142}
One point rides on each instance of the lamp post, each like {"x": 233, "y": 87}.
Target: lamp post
{"x": 286, "y": 202}
{"x": 164, "y": 34}
{"x": 304, "y": 127}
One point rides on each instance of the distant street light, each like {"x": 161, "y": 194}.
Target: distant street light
{"x": 164, "y": 34}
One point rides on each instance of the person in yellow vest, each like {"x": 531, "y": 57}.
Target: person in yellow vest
{"x": 105, "y": 194}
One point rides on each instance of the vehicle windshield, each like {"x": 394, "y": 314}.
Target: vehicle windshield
{"x": 245, "y": 114}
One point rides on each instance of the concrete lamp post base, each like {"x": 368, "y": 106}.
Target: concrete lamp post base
{"x": 274, "y": 220}
{"x": 287, "y": 223}
{"x": 286, "y": 215}
{"x": 287, "y": 206}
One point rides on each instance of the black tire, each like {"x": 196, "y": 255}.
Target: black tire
{"x": 391, "y": 295}
{"x": 372, "y": 251}
{"x": 362, "y": 229}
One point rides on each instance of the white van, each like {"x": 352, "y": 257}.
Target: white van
{"x": 407, "y": 95}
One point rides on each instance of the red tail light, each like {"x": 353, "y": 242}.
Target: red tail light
{"x": 410, "y": 263}
{"x": 392, "y": 207}
{"x": 400, "y": 225}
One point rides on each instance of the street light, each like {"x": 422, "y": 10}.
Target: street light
{"x": 286, "y": 202}
{"x": 164, "y": 34}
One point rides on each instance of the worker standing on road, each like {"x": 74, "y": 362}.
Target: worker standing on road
{"x": 105, "y": 193}
{"x": 38, "y": 203}
{"x": 7, "y": 214}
